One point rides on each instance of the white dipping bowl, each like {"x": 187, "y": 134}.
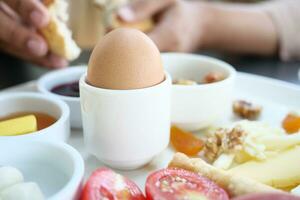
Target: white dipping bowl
{"x": 55, "y": 78}
{"x": 11, "y": 103}
{"x": 57, "y": 168}
{"x": 198, "y": 106}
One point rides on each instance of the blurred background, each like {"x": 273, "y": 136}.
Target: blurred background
{"x": 87, "y": 22}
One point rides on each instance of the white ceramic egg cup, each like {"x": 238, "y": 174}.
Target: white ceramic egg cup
{"x": 125, "y": 129}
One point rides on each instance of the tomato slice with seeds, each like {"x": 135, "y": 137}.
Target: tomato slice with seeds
{"x": 105, "y": 184}
{"x": 185, "y": 142}
{"x": 179, "y": 184}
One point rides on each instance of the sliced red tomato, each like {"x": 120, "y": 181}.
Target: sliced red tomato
{"x": 179, "y": 184}
{"x": 106, "y": 184}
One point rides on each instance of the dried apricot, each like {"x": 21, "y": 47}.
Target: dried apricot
{"x": 291, "y": 123}
{"x": 185, "y": 142}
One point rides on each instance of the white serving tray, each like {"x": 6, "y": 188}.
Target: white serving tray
{"x": 276, "y": 97}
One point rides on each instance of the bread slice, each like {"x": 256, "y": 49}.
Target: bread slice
{"x": 111, "y": 20}
{"x": 56, "y": 33}
{"x": 233, "y": 184}
{"x": 144, "y": 26}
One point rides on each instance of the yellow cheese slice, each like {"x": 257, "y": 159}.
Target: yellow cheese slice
{"x": 280, "y": 171}
{"x": 18, "y": 126}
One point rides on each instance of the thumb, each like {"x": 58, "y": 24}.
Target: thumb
{"x": 140, "y": 10}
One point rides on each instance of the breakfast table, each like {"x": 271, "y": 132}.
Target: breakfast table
{"x": 270, "y": 93}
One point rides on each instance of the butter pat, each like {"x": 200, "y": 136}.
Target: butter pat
{"x": 18, "y": 126}
{"x": 280, "y": 171}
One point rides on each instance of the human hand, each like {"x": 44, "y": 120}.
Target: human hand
{"x": 186, "y": 26}
{"x": 180, "y": 25}
{"x": 19, "y": 22}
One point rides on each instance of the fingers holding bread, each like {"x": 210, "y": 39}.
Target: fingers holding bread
{"x": 18, "y": 37}
{"x": 144, "y": 25}
{"x": 31, "y": 11}
{"x": 142, "y": 9}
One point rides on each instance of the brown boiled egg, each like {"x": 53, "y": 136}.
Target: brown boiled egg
{"x": 125, "y": 59}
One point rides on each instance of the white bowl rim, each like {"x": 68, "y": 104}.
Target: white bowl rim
{"x": 79, "y": 169}
{"x": 166, "y": 81}
{"x": 64, "y": 108}
{"x": 78, "y": 163}
{"x": 220, "y": 63}
{"x": 43, "y": 80}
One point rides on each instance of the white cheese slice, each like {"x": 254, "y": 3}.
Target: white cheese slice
{"x": 22, "y": 191}
{"x": 224, "y": 161}
{"x": 296, "y": 190}
{"x": 9, "y": 176}
{"x": 279, "y": 171}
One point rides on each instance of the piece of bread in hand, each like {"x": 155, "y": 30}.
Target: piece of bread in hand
{"x": 56, "y": 33}
{"x": 144, "y": 26}
{"x": 112, "y": 21}
{"x": 233, "y": 184}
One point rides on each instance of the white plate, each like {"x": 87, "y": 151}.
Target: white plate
{"x": 276, "y": 97}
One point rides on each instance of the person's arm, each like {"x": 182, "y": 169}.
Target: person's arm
{"x": 286, "y": 17}
{"x": 241, "y": 29}
{"x": 190, "y": 25}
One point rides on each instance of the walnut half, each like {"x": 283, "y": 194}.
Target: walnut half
{"x": 224, "y": 141}
{"x": 246, "y": 109}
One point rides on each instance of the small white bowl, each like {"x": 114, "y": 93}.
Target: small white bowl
{"x": 11, "y": 103}
{"x": 57, "y": 168}
{"x": 198, "y": 106}
{"x": 58, "y": 77}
